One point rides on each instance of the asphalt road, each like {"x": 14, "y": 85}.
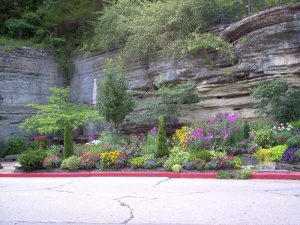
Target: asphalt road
{"x": 66, "y": 201}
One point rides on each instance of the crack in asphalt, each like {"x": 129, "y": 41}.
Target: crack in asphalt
{"x": 131, "y": 215}
{"x": 275, "y": 192}
{"x": 162, "y": 181}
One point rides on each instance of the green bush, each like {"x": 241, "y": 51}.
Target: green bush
{"x": 224, "y": 175}
{"x": 71, "y": 163}
{"x": 16, "y": 145}
{"x": 264, "y": 137}
{"x": 3, "y": 149}
{"x": 263, "y": 156}
{"x": 32, "y": 159}
{"x": 202, "y": 154}
{"x": 149, "y": 146}
{"x": 236, "y": 162}
{"x": 274, "y": 98}
{"x": 177, "y": 168}
{"x": 68, "y": 141}
{"x": 162, "y": 143}
{"x": 56, "y": 150}
{"x": 293, "y": 141}
{"x": 177, "y": 156}
{"x": 296, "y": 124}
{"x": 210, "y": 166}
{"x": 276, "y": 152}
{"x": 243, "y": 174}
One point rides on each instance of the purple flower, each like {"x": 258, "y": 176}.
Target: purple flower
{"x": 91, "y": 138}
{"x": 234, "y": 149}
{"x": 226, "y": 135}
{"x": 155, "y": 130}
{"x": 199, "y": 130}
{"x": 243, "y": 150}
{"x": 243, "y": 143}
{"x": 251, "y": 136}
{"x": 218, "y": 137}
{"x": 251, "y": 149}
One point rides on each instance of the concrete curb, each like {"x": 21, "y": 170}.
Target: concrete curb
{"x": 275, "y": 176}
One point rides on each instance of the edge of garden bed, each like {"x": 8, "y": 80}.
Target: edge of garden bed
{"x": 275, "y": 176}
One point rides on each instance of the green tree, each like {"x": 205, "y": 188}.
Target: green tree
{"x": 60, "y": 114}
{"x": 274, "y": 98}
{"x": 162, "y": 144}
{"x": 168, "y": 101}
{"x": 113, "y": 101}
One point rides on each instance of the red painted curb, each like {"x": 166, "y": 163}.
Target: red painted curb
{"x": 275, "y": 176}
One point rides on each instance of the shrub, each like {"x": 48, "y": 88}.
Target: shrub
{"x": 263, "y": 156}
{"x": 89, "y": 160}
{"x": 276, "y": 99}
{"x": 177, "y": 156}
{"x": 16, "y": 145}
{"x": 220, "y": 160}
{"x": 202, "y": 154}
{"x": 243, "y": 174}
{"x": 56, "y": 150}
{"x": 177, "y": 168}
{"x": 246, "y": 130}
{"x": 276, "y": 152}
{"x": 210, "y": 166}
{"x": 297, "y": 154}
{"x": 51, "y": 162}
{"x": 71, "y": 163}
{"x": 162, "y": 144}
{"x": 224, "y": 175}
{"x": 296, "y": 124}
{"x": 32, "y": 159}
{"x": 289, "y": 154}
{"x": 3, "y": 149}
{"x": 200, "y": 164}
{"x": 109, "y": 141}
{"x": 293, "y": 141}
{"x": 68, "y": 141}
{"x": 236, "y": 162}
{"x": 264, "y": 137}
{"x": 149, "y": 146}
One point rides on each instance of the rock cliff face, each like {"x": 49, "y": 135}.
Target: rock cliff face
{"x": 25, "y": 77}
{"x": 267, "y": 46}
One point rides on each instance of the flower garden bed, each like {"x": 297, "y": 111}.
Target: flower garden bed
{"x": 224, "y": 146}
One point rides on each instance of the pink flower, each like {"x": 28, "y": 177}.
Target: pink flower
{"x": 251, "y": 136}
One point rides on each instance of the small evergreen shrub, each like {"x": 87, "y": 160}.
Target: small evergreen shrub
{"x": 32, "y": 159}
{"x": 68, "y": 141}
{"x": 3, "y": 149}
{"x": 276, "y": 152}
{"x": 162, "y": 144}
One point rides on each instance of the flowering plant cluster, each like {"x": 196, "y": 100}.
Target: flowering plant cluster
{"x": 222, "y": 132}
{"x": 110, "y": 158}
{"x": 89, "y": 160}
{"x": 51, "y": 162}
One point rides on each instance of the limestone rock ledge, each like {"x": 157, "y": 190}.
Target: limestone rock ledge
{"x": 25, "y": 77}
{"x": 267, "y": 46}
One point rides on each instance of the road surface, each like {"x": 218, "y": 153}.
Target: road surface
{"x": 99, "y": 200}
